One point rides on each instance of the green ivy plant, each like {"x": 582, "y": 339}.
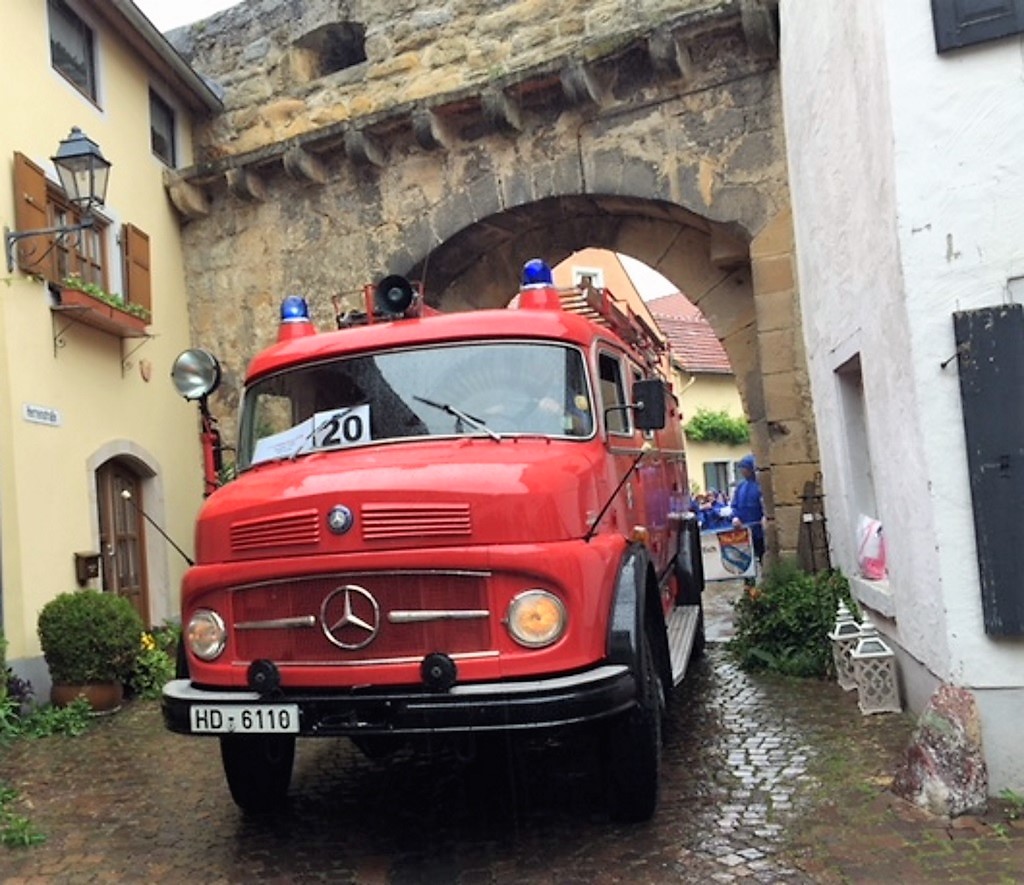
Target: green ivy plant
{"x": 717, "y": 426}
{"x": 74, "y": 281}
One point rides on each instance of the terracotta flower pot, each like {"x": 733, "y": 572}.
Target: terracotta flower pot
{"x": 103, "y": 697}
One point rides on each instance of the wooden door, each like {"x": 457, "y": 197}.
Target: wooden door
{"x": 122, "y": 539}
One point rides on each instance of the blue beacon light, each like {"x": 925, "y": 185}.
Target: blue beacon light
{"x": 538, "y": 288}
{"x": 294, "y": 310}
{"x": 536, "y": 273}
{"x": 295, "y": 322}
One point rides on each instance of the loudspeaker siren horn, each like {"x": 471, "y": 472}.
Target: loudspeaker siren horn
{"x": 394, "y": 295}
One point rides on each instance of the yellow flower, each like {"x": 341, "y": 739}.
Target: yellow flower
{"x": 148, "y": 642}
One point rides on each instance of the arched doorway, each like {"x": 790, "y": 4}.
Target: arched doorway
{"x": 122, "y": 533}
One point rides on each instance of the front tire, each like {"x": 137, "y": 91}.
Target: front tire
{"x": 633, "y": 749}
{"x": 258, "y": 769}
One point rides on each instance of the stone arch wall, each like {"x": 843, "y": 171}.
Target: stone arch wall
{"x": 663, "y": 141}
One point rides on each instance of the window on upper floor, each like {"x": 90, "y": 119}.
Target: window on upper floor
{"x": 587, "y": 278}
{"x": 161, "y": 129}
{"x": 961, "y": 23}
{"x": 42, "y": 204}
{"x": 72, "y": 48}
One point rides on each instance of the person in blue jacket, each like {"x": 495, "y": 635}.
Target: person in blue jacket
{"x": 748, "y": 505}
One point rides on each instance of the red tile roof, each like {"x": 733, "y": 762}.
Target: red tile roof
{"x": 694, "y": 344}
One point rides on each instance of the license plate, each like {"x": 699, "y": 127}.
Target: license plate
{"x": 245, "y": 719}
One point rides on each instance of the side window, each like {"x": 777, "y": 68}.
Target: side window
{"x": 161, "y": 129}
{"x": 613, "y": 393}
{"x": 637, "y": 375}
{"x": 72, "y": 50}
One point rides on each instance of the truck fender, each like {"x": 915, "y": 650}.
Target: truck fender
{"x": 689, "y": 563}
{"x": 635, "y": 604}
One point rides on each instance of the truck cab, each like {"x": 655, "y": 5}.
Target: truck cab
{"x": 443, "y": 524}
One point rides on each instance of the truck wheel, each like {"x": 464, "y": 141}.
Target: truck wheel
{"x": 258, "y": 769}
{"x": 632, "y": 754}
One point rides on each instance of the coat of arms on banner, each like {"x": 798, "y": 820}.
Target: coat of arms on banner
{"x": 728, "y": 554}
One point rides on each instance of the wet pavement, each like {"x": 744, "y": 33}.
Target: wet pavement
{"x": 764, "y": 780}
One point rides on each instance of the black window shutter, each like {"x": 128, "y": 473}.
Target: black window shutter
{"x": 990, "y": 347}
{"x": 965, "y": 22}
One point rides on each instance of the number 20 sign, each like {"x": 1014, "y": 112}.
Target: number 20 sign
{"x": 342, "y": 427}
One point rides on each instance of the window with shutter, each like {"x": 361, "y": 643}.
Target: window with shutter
{"x": 961, "y": 23}
{"x": 34, "y": 254}
{"x": 39, "y": 204}
{"x": 137, "y": 281}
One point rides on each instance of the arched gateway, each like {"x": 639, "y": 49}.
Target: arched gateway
{"x": 452, "y": 148}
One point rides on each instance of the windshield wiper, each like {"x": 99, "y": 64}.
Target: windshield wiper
{"x": 460, "y": 416}
{"x": 335, "y": 416}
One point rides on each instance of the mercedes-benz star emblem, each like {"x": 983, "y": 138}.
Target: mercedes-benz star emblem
{"x": 339, "y": 519}
{"x": 350, "y": 617}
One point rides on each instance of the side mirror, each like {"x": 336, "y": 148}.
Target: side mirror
{"x": 649, "y": 404}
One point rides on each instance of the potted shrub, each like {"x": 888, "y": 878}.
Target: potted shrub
{"x": 90, "y": 641}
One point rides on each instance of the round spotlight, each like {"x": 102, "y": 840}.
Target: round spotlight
{"x": 195, "y": 373}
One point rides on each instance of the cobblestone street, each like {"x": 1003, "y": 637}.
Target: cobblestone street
{"x": 764, "y": 780}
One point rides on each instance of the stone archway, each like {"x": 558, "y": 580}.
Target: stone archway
{"x": 747, "y": 292}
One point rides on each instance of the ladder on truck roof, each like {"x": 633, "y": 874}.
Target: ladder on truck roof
{"x": 602, "y": 307}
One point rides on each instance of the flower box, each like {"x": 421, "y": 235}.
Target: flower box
{"x": 84, "y": 308}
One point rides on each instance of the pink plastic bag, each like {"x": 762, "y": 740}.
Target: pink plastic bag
{"x": 871, "y": 549}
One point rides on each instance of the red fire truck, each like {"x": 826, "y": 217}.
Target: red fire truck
{"x": 442, "y": 525}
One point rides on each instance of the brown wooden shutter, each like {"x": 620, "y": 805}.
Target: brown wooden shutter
{"x": 137, "y": 284}
{"x": 35, "y": 255}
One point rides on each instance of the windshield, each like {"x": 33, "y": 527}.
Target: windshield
{"x": 480, "y": 389}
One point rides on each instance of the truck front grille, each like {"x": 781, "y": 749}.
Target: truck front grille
{"x": 332, "y": 620}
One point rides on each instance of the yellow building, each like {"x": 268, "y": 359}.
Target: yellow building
{"x": 91, "y": 429}
{"x": 704, "y": 381}
{"x": 702, "y": 376}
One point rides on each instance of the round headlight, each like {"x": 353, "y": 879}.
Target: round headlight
{"x": 206, "y": 635}
{"x": 536, "y": 618}
{"x": 195, "y": 374}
